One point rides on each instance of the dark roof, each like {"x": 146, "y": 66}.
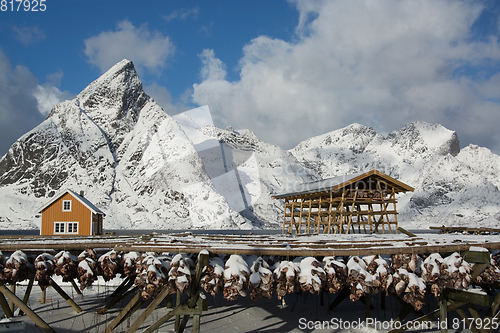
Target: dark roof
{"x": 336, "y": 183}
{"x": 83, "y": 200}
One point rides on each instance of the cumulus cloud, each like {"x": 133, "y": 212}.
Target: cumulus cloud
{"x": 48, "y": 94}
{"x": 147, "y": 49}
{"x": 378, "y": 63}
{"x": 24, "y": 104}
{"x": 18, "y": 106}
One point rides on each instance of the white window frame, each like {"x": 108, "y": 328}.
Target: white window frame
{"x": 62, "y": 228}
{"x": 70, "y": 204}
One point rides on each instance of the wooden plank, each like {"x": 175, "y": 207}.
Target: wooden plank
{"x": 123, "y": 314}
{"x": 406, "y": 232}
{"x": 494, "y": 306}
{"x": 332, "y": 251}
{"x": 26, "y": 309}
{"x": 181, "y": 309}
{"x": 118, "y": 295}
{"x": 466, "y": 296}
{"x": 467, "y": 320}
{"x": 284, "y": 216}
{"x": 299, "y": 230}
{"x": 27, "y": 293}
{"x": 193, "y": 292}
{"x": 342, "y": 295}
{"x": 443, "y": 313}
{"x": 65, "y": 296}
{"x": 5, "y": 306}
{"x": 11, "y": 303}
{"x": 151, "y": 307}
{"x": 451, "y": 306}
{"x": 475, "y": 314}
{"x": 465, "y": 229}
{"x": 319, "y": 215}
{"x": 309, "y": 218}
{"x": 477, "y": 256}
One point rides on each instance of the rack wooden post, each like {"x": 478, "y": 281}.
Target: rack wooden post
{"x": 27, "y": 293}
{"x": 284, "y": 215}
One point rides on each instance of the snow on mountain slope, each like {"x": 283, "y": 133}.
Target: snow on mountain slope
{"x": 482, "y": 161}
{"x": 451, "y": 187}
{"x": 265, "y": 169}
{"x": 245, "y": 170}
{"x": 118, "y": 146}
{"x": 148, "y": 170}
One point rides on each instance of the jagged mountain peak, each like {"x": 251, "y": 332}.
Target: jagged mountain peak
{"x": 120, "y": 147}
{"x": 421, "y": 137}
{"x": 122, "y": 76}
{"x": 113, "y": 101}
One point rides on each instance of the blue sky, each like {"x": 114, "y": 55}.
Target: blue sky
{"x": 287, "y": 70}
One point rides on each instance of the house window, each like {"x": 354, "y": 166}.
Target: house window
{"x": 66, "y": 228}
{"x": 66, "y": 206}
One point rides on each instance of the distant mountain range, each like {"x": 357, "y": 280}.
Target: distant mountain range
{"x": 148, "y": 170}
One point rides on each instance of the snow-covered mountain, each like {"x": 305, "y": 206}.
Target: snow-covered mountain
{"x": 452, "y": 186}
{"x": 148, "y": 170}
{"x": 117, "y": 145}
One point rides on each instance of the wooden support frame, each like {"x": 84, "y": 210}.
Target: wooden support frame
{"x": 30, "y": 313}
{"x": 120, "y": 293}
{"x": 340, "y": 213}
{"x": 331, "y": 204}
{"x": 27, "y": 293}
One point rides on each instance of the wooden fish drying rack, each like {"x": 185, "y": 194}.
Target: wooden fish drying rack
{"x": 277, "y": 245}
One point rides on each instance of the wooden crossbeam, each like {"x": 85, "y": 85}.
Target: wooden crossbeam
{"x": 63, "y": 294}
{"x": 126, "y": 311}
{"x": 26, "y": 309}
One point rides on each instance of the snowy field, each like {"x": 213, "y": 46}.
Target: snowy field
{"x": 303, "y": 312}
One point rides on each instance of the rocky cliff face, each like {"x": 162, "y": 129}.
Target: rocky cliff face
{"x": 148, "y": 170}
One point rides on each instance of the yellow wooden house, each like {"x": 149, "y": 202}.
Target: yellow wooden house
{"x": 69, "y": 213}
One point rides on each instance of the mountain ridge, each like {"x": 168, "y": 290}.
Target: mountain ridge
{"x": 148, "y": 170}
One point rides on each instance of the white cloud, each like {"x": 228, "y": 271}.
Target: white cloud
{"x": 182, "y": 14}
{"x": 18, "y": 106}
{"x": 28, "y": 35}
{"x": 146, "y": 49}
{"x": 379, "y": 63}
{"x": 213, "y": 68}
{"x": 48, "y": 96}
{"x": 24, "y": 104}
